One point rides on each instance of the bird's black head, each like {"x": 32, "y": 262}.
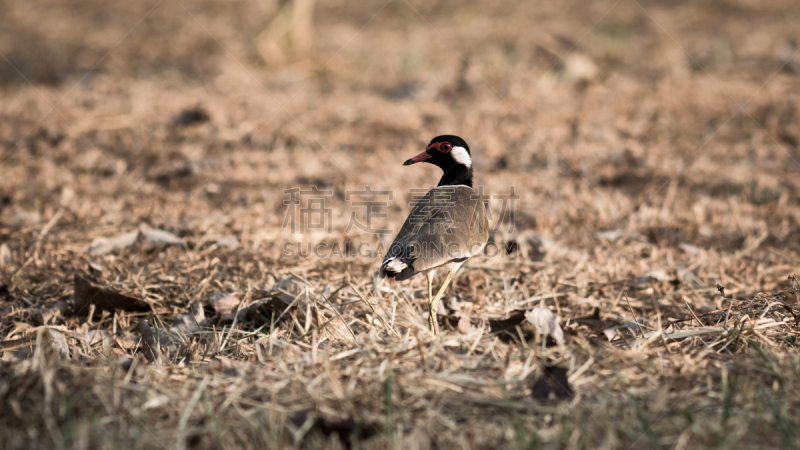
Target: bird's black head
{"x": 452, "y": 155}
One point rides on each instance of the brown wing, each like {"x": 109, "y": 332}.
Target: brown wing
{"x": 447, "y": 224}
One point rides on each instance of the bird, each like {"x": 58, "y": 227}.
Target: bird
{"x": 446, "y": 226}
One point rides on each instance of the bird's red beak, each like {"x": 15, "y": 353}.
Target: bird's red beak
{"x": 419, "y": 158}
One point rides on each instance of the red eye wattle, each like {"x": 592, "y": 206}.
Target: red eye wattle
{"x": 446, "y": 147}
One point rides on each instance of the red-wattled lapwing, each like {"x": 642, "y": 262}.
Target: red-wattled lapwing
{"x": 446, "y": 227}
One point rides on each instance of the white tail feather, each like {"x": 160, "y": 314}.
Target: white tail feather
{"x": 394, "y": 265}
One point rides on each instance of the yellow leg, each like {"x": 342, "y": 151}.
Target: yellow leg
{"x": 434, "y": 304}
{"x": 430, "y": 287}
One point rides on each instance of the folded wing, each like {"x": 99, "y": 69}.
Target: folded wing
{"x": 446, "y": 225}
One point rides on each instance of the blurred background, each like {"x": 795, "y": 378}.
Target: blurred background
{"x": 147, "y": 146}
{"x": 649, "y": 117}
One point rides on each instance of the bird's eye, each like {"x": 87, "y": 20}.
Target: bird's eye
{"x": 446, "y": 147}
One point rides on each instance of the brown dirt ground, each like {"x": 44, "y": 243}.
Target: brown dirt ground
{"x": 653, "y": 146}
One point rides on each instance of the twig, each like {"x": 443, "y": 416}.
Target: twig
{"x": 628, "y": 302}
{"x": 181, "y": 444}
{"x": 329, "y": 304}
{"x": 363, "y": 299}
{"x": 692, "y": 312}
{"x": 244, "y": 300}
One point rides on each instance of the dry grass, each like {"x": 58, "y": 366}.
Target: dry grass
{"x": 655, "y": 162}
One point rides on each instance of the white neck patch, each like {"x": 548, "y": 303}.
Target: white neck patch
{"x": 461, "y": 156}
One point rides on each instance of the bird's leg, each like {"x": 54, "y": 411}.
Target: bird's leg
{"x": 430, "y": 286}
{"x": 434, "y": 304}
{"x": 430, "y": 275}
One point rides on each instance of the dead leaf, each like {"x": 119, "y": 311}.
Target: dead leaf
{"x": 577, "y": 68}
{"x": 552, "y": 384}
{"x": 610, "y": 234}
{"x": 21, "y": 217}
{"x": 228, "y": 242}
{"x": 190, "y": 116}
{"x": 191, "y": 321}
{"x": 336, "y": 329}
{"x": 149, "y": 236}
{"x": 511, "y": 328}
{"x": 156, "y": 401}
{"x": 102, "y": 246}
{"x": 222, "y": 364}
{"x": 345, "y": 428}
{"x": 5, "y": 255}
{"x": 148, "y": 341}
{"x": 53, "y": 342}
{"x": 104, "y": 299}
{"x": 160, "y": 237}
{"x": 225, "y": 304}
{"x": 546, "y": 324}
{"x": 657, "y": 274}
{"x": 464, "y": 326}
{"x": 127, "y": 344}
{"x": 47, "y": 316}
{"x": 154, "y": 341}
{"x": 268, "y": 348}
{"x": 93, "y": 337}
{"x": 701, "y": 331}
{"x": 628, "y": 330}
